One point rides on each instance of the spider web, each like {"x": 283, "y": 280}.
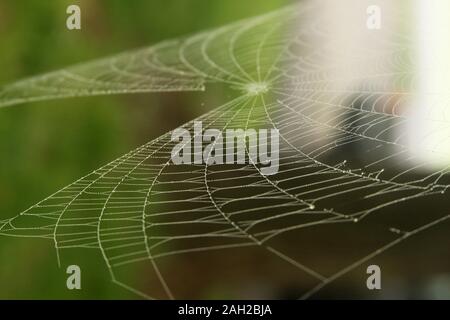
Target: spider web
{"x": 346, "y": 164}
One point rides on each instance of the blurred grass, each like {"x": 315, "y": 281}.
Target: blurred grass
{"x": 45, "y": 146}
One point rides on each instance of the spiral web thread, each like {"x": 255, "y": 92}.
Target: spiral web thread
{"x": 142, "y": 208}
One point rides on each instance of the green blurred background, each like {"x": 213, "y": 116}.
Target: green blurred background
{"x": 45, "y": 146}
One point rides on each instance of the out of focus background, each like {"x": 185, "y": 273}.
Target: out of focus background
{"x": 45, "y": 146}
